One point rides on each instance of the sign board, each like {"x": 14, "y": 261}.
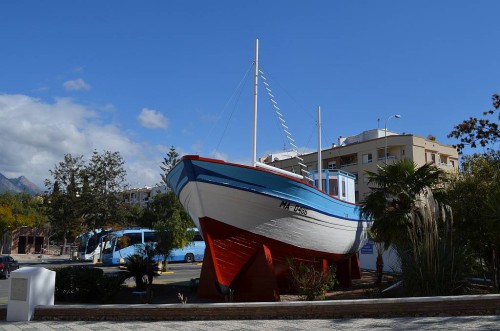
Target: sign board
{"x": 19, "y": 289}
{"x": 367, "y": 248}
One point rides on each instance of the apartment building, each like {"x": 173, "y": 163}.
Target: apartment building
{"x": 141, "y": 196}
{"x": 372, "y": 148}
{"x": 136, "y": 196}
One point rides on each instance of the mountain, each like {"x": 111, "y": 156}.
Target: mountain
{"x": 18, "y": 185}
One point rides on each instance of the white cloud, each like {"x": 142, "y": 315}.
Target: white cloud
{"x": 152, "y": 119}
{"x": 35, "y": 135}
{"x": 219, "y": 155}
{"x": 76, "y": 85}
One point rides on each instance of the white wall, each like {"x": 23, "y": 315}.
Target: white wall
{"x": 368, "y": 258}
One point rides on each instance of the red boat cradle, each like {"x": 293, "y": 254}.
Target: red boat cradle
{"x": 243, "y": 266}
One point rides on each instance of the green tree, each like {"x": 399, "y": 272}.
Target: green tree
{"x": 168, "y": 163}
{"x": 166, "y": 215}
{"x": 103, "y": 177}
{"x": 17, "y": 210}
{"x": 63, "y": 204}
{"x": 84, "y": 195}
{"x": 475, "y": 198}
{"x": 478, "y": 131}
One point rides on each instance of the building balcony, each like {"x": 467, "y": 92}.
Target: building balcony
{"x": 389, "y": 157}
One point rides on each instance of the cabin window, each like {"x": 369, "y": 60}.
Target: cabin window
{"x": 343, "y": 189}
{"x": 334, "y": 187}
{"x": 323, "y": 184}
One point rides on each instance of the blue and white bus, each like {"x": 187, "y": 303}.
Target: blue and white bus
{"x": 123, "y": 243}
{"x": 90, "y": 243}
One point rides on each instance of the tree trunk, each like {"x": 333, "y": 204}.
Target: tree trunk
{"x": 495, "y": 269}
{"x": 165, "y": 264}
{"x": 139, "y": 283}
{"x": 380, "y": 269}
{"x": 63, "y": 248}
{"x": 150, "y": 274}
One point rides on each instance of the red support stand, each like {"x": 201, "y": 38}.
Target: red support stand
{"x": 347, "y": 270}
{"x": 243, "y": 266}
{"x": 209, "y": 284}
{"x": 257, "y": 280}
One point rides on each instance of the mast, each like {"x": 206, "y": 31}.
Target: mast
{"x": 320, "y": 179}
{"x": 255, "y": 82}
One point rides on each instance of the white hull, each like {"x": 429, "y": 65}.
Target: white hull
{"x": 266, "y": 216}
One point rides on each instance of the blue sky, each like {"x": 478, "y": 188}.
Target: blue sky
{"x": 139, "y": 76}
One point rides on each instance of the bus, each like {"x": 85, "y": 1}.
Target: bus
{"x": 90, "y": 243}
{"x": 123, "y": 243}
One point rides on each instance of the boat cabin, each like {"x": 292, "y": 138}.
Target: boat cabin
{"x": 337, "y": 183}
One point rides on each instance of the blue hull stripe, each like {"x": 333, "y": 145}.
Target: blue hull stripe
{"x": 260, "y": 182}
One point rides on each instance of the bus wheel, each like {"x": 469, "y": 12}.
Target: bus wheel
{"x": 189, "y": 258}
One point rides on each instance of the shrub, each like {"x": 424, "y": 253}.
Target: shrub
{"x": 110, "y": 285}
{"x": 142, "y": 264}
{"x": 82, "y": 283}
{"x": 309, "y": 280}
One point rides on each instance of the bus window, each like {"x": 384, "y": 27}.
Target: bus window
{"x": 128, "y": 239}
{"x": 150, "y": 237}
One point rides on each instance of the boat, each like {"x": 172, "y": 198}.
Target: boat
{"x": 254, "y": 219}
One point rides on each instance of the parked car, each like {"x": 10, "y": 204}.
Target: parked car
{"x": 7, "y": 265}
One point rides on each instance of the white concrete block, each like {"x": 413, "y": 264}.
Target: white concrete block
{"x": 28, "y": 288}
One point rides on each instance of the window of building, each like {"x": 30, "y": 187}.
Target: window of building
{"x": 380, "y": 154}
{"x": 348, "y": 160}
{"x": 367, "y": 158}
{"x": 402, "y": 151}
{"x": 332, "y": 165}
{"x": 433, "y": 158}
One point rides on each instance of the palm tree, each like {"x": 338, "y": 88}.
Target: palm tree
{"x": 395, "y": 190}
{"x": 397, "y": 193}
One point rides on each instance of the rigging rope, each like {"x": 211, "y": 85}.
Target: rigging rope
{"x": 286, "y": 130}
{"x": 238, "y": 90}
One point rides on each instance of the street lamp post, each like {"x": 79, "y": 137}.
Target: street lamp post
{"x": 385, "y": 136}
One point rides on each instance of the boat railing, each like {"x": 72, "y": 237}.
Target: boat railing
{"x": 278, "y": 170}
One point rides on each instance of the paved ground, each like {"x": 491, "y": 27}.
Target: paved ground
{"x": 421, "y": 323}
